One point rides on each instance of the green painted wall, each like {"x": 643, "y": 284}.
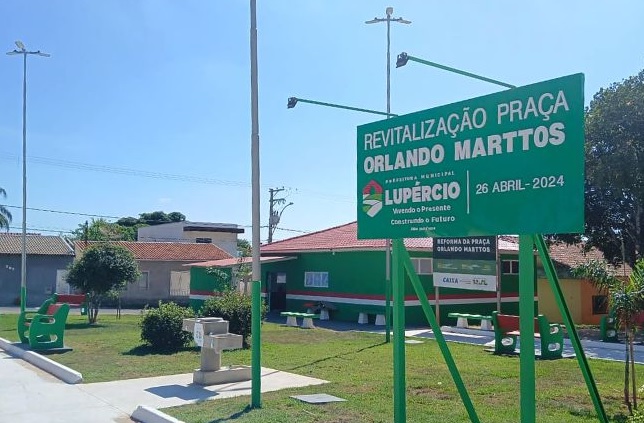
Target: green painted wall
{"x": 359, "y": 276}
{"x": 362, "y": 274}
{"x": 202, "y": 284}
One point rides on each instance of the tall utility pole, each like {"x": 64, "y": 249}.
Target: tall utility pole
{"x": 23, "y": 268}
{"x": 274, "y": 215}
{"x": 256, "y": 357}
{"x": 389, "y": 11}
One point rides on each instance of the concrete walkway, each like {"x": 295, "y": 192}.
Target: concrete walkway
{"x": 28, "y": 394}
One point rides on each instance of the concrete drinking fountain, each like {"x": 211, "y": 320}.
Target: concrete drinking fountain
{"x": 211, "y": 334}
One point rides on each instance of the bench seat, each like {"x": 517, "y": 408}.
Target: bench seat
{"x": 44, "y": 329}
{"x": 506, "y": 330}
{"x": 462, "y": 320}
{"x": 307, "y": 319}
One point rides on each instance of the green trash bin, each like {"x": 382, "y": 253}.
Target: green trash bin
{"x": 608, "y": 329}
{"x": 83, "y": 309}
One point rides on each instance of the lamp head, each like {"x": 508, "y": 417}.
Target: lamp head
{"x": 292, "y": 101}
{"x": 20, "y": 45}
{"x": 402, "y": 59}
{"x": 389, "y": 11}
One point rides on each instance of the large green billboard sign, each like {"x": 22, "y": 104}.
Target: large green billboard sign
{"x": 505, "y": 163}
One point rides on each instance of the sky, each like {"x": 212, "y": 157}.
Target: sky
{"x": 144, "y": 105}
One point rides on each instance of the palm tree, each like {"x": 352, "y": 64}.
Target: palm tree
{"x": 5, "y": 215}
{"x": 626, "y": 303}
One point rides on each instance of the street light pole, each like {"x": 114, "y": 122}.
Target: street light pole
{"x": 23, "y": 265}
{"x": 389, "y": 11}
{"x": 256, "y": 356}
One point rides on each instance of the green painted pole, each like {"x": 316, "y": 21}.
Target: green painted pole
{"x": 460, "y": 72}
{"x": 256, "y": 358}
{"x": 340, "y": 106}
{"x": 438, "y": 334}
{"x": 400, "y": 403}
{"x": 526, "y": 328}
{"x": 388, "y": 307}
{"x": 572, "y": 331}
{"x": 23, "y": 298}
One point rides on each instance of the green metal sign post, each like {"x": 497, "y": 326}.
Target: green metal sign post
{"x": 497, "y": 164}
{"x": 526, "y": 327}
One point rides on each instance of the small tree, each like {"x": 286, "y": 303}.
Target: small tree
{"x": 243, "y": 269}
{"x": 222, "y": 278}
{"x": 102, "y": 269}
{"x": 626, "y": 302}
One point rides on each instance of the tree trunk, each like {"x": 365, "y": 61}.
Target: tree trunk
{"x": 626, "y": 371}
{"x": 634, "y": 385}
{"x": 638, "y": 230}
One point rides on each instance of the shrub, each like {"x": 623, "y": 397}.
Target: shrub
{"x": 235, "y": 307}
{"x": 161, "y": 327}
{"x": 637, "y": 417}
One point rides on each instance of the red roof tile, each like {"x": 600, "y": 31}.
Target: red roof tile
{"x": 573, "y": 255}
{"x": 344, "y": 237}
{"x": 167, "y": 251}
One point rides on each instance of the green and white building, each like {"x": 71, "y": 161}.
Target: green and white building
{"x": 347, "y": 276}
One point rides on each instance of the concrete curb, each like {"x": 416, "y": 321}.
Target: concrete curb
{"x": 146, "y": 414}
{"x": 63, "y": 373}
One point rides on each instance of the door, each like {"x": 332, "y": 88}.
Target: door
{"x": 276, "y": 291}
{"x": 62, "y": 287}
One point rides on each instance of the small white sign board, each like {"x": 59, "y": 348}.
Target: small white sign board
{"x": 197, "y": 334}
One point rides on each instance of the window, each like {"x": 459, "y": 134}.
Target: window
{"x": 600, "y": 304}
{"x": 316, "y": 279}
{"x": 422, "y": 266}
{"x": 510, "y": 267}
{"x": 144, "y": 281}
{"x": 203, "y": 240}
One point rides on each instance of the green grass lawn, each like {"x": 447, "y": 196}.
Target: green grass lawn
{"x": 359, "y": 367}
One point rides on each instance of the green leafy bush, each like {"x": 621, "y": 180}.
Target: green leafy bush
{"x": 235, "y": 307}
{"x": 637, "y": 417}
{"x": 161, "y": 327}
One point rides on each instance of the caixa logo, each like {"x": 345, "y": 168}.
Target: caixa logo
{"x": 372, "y": 198}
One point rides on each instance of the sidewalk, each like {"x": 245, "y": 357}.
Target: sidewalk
{"x": 592, "y": 349}
{"x": 29, "y": 394}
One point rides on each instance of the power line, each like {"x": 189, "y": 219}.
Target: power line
{"x": 58, "y": 231}
{"x": 116, "y": 217}
{"x": 126, "y": 171}
{"x": 159, "y": 175}
{"x": 64, "y": 212}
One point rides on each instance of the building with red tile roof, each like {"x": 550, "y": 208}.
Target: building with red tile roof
{"x": 162, "y": 265}
{"x": 345, "y": 237}
{"x": 335, "y": 268}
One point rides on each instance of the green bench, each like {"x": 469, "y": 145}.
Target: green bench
{"x": 45, "y": 328}
{"x": 506, "y": 330}
{"x": 307, "y": 319}
{"x": 462, "y": 320}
